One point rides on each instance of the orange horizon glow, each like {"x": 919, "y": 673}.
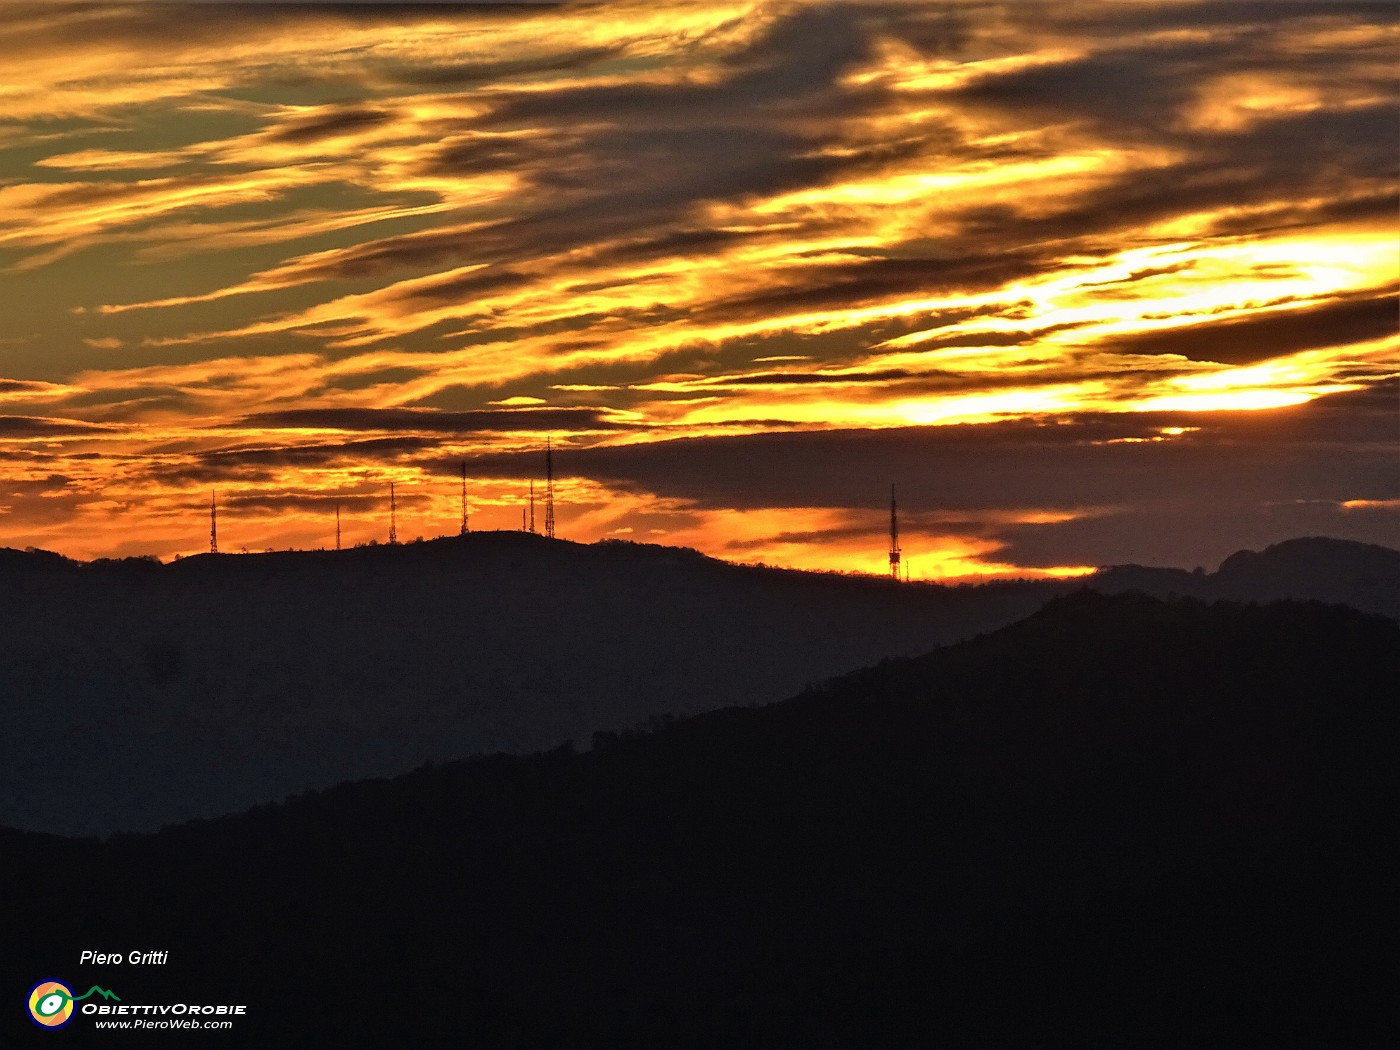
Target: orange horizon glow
{"x": 587, "y": 513}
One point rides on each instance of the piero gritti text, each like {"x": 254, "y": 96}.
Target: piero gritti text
{"x": 133, "y": 958}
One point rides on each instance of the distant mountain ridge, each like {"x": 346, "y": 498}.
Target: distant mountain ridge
{"x": 1118, "y": 822}
{"x": 137, "y": 694}
{"x": 1362, "y": 575}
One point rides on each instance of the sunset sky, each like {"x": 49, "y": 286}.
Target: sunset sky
{"x": 1092, "y": 283}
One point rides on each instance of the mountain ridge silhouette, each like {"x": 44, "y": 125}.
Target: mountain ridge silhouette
{"x": 1363, "y": 575}
{"x": 138, "y": 694}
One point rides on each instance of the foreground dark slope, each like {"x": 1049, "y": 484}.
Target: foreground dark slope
{"x": 1118, "y": 823}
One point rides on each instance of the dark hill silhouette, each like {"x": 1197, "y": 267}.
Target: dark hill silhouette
{"x": 1361, "y": 575}
{"x": 1358, "y": 574}
{"x": 1120, "y": 822}
{"x": 137, "y": 694}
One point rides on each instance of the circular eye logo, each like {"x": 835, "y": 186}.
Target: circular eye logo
{"x": 50, "y": 1004}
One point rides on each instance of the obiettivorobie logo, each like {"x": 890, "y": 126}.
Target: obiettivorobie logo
{"x": 51, "y": 1003}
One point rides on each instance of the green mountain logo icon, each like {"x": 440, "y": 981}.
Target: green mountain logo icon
{"x": 105, "y": 993}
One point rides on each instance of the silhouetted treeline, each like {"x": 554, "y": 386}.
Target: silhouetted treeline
{"x": 1121, "y": 822}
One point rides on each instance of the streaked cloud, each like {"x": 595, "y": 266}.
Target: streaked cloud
{"x": 303, "y": 250}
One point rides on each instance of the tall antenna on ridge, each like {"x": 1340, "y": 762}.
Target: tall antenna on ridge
{"x": 464, "y": 529}
{"x": 894, "y": 538}
{"x": 393, "y": 516}
{"x": 213, "y": 522}
{"x": 548, "y": 489}
{"x": 532, "y": 504}
{"x": 337, "y": 526}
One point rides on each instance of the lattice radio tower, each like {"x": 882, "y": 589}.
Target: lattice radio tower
{"x": 548, "y": 489}
{"x": 532, "y": 504}
{"x": 337, "y": 526}
{"x": 393, "y": 516}
{"x": 464, "y": 530}
{"x": 213, "y": 522}
{"x": 894, "y": 537}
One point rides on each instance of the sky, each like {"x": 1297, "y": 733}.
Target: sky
{"x": 1090, "y": 283}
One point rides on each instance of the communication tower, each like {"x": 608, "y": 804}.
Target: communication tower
{"x": 464, "y": 530}
{"x": 894, "y": 537}
{"x": 548, "y": 489}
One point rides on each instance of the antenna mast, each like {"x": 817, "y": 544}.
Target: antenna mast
{"x": 337, "y": 526}
{"x": 894, "y": 538}
{"x": 393, "y": 516}
{"x": 532, "y": 504}
{"x": 548, "y": 489}
{"x": 464, "y": 529}
{"x": 213, "y": 522}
